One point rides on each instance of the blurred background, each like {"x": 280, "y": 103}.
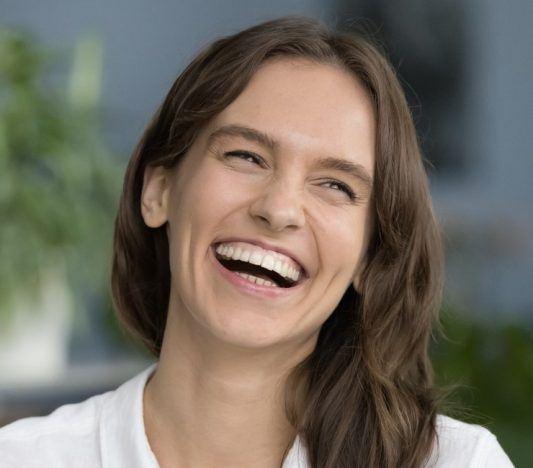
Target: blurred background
{"x": 80, "y": 80}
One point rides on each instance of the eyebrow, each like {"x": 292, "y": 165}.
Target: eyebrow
{"x": 248, "y": 133}
{"x": 354, "y": 170}
{"x": 357, "y": 171}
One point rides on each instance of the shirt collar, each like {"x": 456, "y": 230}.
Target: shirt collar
{"x": 123, "y": 439}
{"x": 297, "y": 456}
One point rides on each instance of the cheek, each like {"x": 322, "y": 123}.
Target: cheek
{"x": 349, "y": 233}
{"x": 211, "y": 190}
{"x": 201, "y": 198}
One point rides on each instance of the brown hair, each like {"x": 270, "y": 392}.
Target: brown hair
{"x": 369, "y": 396}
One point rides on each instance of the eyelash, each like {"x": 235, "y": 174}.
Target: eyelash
{"x": 343, "y": 187}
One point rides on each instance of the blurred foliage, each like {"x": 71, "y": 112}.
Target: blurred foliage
{"x": 58, "y": 182}
{"x": 491, "y": 366}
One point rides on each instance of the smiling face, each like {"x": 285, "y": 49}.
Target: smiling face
{"x": 255, "y": 173}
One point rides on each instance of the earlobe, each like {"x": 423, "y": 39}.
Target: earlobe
{"x": 154, "y": 196}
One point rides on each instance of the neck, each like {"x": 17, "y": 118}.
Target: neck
{"x": 211, "y": 404}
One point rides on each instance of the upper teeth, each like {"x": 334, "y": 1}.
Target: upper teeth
{"x": 273, "y": 261}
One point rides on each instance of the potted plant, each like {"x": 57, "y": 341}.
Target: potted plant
{"x": 58, "y": 191}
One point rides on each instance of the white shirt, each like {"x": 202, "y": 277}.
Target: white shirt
{"x": 107, "y": 431}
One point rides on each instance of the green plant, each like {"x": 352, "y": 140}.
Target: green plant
{"x": 492, "y": 364}
{"x": 58, "y": 181}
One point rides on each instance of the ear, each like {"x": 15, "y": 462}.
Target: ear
{"x": 154, "y": 197}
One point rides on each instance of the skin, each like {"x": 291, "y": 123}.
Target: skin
{"x": 216, "y": 396}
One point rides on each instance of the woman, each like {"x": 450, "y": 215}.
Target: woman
{"x": 276, "y": 250}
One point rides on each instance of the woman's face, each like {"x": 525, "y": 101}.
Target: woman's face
{"x": 254, "y": 174}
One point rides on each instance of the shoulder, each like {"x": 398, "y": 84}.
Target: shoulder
{"x": 460, "y": 444}
{"x": 71, "y": 430}
{"x": 104, "y": 430}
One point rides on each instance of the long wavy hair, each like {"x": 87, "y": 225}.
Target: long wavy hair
{"x": 369, "y": 395}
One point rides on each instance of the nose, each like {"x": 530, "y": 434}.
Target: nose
{"x": 279, "y": 206}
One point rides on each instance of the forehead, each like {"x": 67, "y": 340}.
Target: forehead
{"x": 307, "y": 108}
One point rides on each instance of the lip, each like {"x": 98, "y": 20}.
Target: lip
{"x": 254, "y": 289}
{"x": 266, "y": 246}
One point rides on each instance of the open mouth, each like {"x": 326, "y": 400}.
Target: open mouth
{"x": 256, "y": 271}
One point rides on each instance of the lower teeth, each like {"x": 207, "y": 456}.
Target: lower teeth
{"x": 256, "y": 280}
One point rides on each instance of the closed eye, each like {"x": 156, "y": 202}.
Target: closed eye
{"x": 246, "y": 155}
{"x": 342, "y": 187}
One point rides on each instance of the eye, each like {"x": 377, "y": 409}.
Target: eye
{"x": 245, "y": 155}
{"x": 252, "y": 157}
{"x": 342, "y": 187}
